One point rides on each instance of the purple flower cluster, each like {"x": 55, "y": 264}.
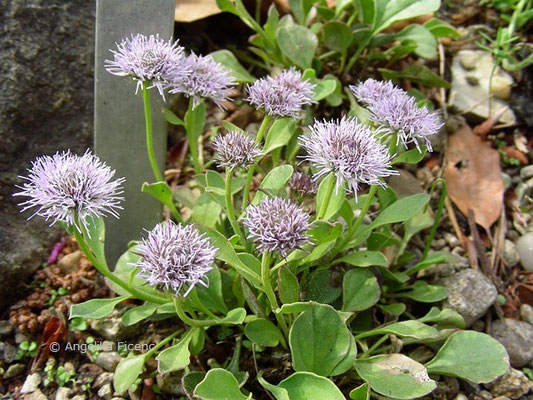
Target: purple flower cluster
{"x": 235, "y": 149}
{"x": 350, "y": 150}
{"x": 283, "y": 96}
{"x": 277, "y": 224}
{"x": 175, "y": 256}
{"x": 206, "y": 78}
{"x": 70, "y": 188}
{"x": 302, "y": 183}
{"x": 397, "y": 113}
{"x": 149, "y": 60}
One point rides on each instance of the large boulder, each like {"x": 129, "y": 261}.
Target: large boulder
{"x": 46, "y": 105}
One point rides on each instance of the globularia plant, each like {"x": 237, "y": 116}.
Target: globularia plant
{"x": 293, "y": 260}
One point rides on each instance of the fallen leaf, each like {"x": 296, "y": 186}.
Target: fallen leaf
{"x": 192, "y": 10}
{"x": 514, "y": 153}
{"x": 473, "y": 176}
{"x": 54, "y": 331}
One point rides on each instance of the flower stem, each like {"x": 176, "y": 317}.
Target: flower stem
{"x": 149, "y": 135}
{"x": 164, "y": 342}
{"x": 250, "y": 175}
{"x": 267, "y": 286}
{"x": 104, "y": 270}
{"x": 359, "y": 220}
{"x": 178, "y": 304}
{"x": 325, "y": 202}
{"x": 229, "y": 207}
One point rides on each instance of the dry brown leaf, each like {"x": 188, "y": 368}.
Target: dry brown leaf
{"x": 192, "y": 10}
{"x": 473, "y": 176}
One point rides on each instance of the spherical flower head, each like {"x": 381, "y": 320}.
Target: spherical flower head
{"x": 350, "y": 150}
{"x": 235, "y": 149}
{"x": 371, "y": 90}
{"x": 277, "y": 225}
{"x": 302, "y": 183}
{"x": 396, "y": 113}
{"x": 148, "y": 60}
{"x": 71, "y": 189}
{"x": 283, "y": 96}
{"x": 206, "y": 79}
{"x": 176, "y": 257}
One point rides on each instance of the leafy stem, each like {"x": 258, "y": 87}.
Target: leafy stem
{"x": 267, "y": 287}
{"x": 149, "y": 133}
{"x": 325, "y": 202}
{"x": 229, "y": 207}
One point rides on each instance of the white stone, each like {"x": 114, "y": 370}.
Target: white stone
{"x": 31, "y": 383}
{"x": 524, "y": 245}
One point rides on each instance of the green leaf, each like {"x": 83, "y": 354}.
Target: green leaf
{"x": 298, "y": 44}
{"x": 128, "y": 369}
{"x": 95, "y": 308}
{"x": 263, "y": 332}
{"x": 190, "y": 381}
{"x": 297, "y": 307}
{"x": 361, "y": 392}
{"x": 321, "y": 343}
{"x": 136, "y": 314}
{"x": 409, "y": 329}
{"x": 424, "y": 292}
{"x": 399, "y": 10}
{"x": 401, "y": 210}
{"x": 364, "y": 258}
{"x": 227, "y": 254}
{"x": 440, "y": 28}
{"x": 175, "y": 357}
{"x": 206, "y": 211}
{"x": 337, "y": 197}
{"x": 320, "y": 288}
{"x": 219, "y": 384}
{"x": 95, "y": 235}
{"x": 324, "y": 88}
{"x": 360, "y": 290}
{"x": 426, "y": 44}
{"x": 337, "y": 36}
{"x": 334, "y": 98}
{"x": 470, "y": 355}
{"x": 211, "y": 296}
{"x": 436, "y": 257}
{"x": 394, "y": 308}
{"x": 416, "y": 73}
{"x": 227, "y": 5}
{"x": 275, "y": 180}
{"x": 300, "y": 9}
{"x": 413, "y": 156}
{"x": 289, "y": 288}
{"x": 279, "y": 134}
{"x": 234, "y": 317}
{"x": 228, "y": 60}
{"x": 304, "y": 386}
{"x": 161, "y": 191}
{"x": 444, "y": 317}
{"x": 172, "y": 118}
{"x": 396, "y": 376}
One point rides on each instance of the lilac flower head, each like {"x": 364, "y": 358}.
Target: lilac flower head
{"x": 283, "y": 96}
{"x": 148, "y": 60}
{"x": 397, "y": 113}
{"x": 70, "y": 188}
{"x": 350, "y": 150}
{"x": 277, "y": 224}
{"x": 206, "y": 78}
{"x": 175, "y": 256}
{"x": 235, "y": 149}
{"x": 302, "y": 183}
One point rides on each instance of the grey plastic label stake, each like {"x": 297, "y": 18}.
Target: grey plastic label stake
{"x": 119, "y": 131}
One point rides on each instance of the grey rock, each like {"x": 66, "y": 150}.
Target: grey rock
{"x": 105, "y": 392}
{"x": 524, "y": 245}
{"x": 35, "y": 395}
{"x": 70, "y": 262}
{"x": 31, "y": 383}
{"x": 510, "y": 253}
{"x": 507, "y": 180}
{"x": 46, "y": 64}
{"x": 21, "y": 337}
{"x": 513, "y": 384}
{"x": 6, "y": 328}
{"x": 14, "y": 370}
{"x": 63, "y": 393}
{"x": 451, "y": 240}
{"x": 517, "y": 338}
{"x": 171, "y": 383}
{"x": 460, "y": 396}
{"x": 79, "y": 397}
{"x": 471, "y": 70}
{"x": 449, "y": 269}
{"x": 108, "y": 360}
{"x": 102, "y": 379}
{"x": 526, "y": 172}
{"x": 526, "y": 312}
{"x": 470, "y": 293}
{"x": 111, "y": 327}
{"x": 8, "y": 353}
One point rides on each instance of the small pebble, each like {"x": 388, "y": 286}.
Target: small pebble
{"x": 507, "y": 180}
{"x": 70, "y": 262}
{"x": 526, "y": 312}
{"x": 5, "y": 328}
{"x": 438, "y": 243}
{"x": 36, "y": 395}
{"x": 524, "y": 245}
{"x": 63, "y": 393}
{"x": 461, "y": 396}
{"x": 102, "y": 379}
{"x": 526, "y": 172}
{"x": 20, "y": 337}
{"x": 31, "y": 383}
{"x": 105, "y": 392}
{"x": 14, "y": 370}
{"x": 510, "y": 254}
{"x": 451, "y": 240}
{"x": 108, "y": 361}
{"x": 8, "y": 353}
